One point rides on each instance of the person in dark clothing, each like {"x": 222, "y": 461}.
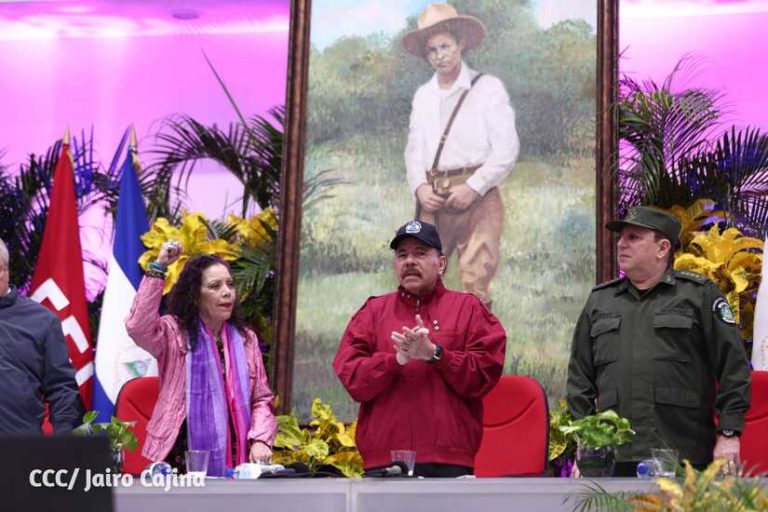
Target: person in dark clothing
{"x": 34, "y": 365}
{"x": 661, "y": 348}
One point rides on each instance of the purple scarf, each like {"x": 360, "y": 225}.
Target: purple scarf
{"x": 210, "y": 398}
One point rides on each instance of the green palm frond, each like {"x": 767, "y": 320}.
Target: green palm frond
{"x": 660, "y": 130}
{"x": 25, "y": 199}
{"x": 594, "y": 497}
{"x": 265, "y": 142}
{"x": 251, "y": 270}
{"x": 673, "y": 153}
{"x": 220, "y": 229}
{"x": 255, "y": 277}
{"x": 741, "y": 159}
{"x": 183, "y": 142}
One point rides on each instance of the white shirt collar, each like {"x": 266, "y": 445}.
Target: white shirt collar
{"x": 463, "y": 81}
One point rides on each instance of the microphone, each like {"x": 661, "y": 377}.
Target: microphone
{"x": 398, "y": 468}
{"x": 299, "y": 468}
{"x": 293, "y": 470}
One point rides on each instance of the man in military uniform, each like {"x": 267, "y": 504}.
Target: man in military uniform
{"x": 653, "y": 346}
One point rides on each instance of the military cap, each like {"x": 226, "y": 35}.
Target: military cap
{"x": 651, "y": 218}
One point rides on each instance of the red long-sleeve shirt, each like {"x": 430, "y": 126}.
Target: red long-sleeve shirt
{"x": 434, "y": 409}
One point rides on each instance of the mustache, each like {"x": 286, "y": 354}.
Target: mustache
{"x": 411, "y": 272}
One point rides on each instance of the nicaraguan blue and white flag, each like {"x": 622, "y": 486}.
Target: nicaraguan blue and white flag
{"x": 118, "y": 359}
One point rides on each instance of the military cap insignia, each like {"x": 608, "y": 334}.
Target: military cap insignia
{"x": 721, "y": 308}
{"x": 413, "y": 227}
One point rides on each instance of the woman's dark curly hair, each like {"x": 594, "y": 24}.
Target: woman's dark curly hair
{"x": 184, "y": 300}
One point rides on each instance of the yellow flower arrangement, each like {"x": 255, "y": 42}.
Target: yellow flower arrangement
{"x": 733, "y": 261}
{"x": 695, "y": 217}
{"x": 197, "y": 237}
{"x": 252, "y": 230}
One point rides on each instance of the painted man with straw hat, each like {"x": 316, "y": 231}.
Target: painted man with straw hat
{"x": 462, "y": 144}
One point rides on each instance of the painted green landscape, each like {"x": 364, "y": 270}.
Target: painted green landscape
{"x": 359, "y": 102}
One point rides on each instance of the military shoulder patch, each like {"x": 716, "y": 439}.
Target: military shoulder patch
{"x": 608, "y": 284}
{"x": 723, "y": 311}
{"x": 691, "y": 276}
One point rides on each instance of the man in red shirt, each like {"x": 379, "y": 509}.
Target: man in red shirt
{"x": 419, "y": 361}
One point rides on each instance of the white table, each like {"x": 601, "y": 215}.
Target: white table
{"x": 367, "y": 495}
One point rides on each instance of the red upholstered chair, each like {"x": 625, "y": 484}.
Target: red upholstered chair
{"x": 754, "y": 439}
{"x": 135, "y": 402}
{"x": 515, "y": 429}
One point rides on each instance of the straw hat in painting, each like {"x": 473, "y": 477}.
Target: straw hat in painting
{"x": 438, "y": 18}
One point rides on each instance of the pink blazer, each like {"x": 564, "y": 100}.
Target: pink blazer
{"x": 162, "y": 337}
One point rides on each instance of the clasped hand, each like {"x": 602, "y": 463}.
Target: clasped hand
{"x": 413, "y": 343}
{"x": 462, "y": 197}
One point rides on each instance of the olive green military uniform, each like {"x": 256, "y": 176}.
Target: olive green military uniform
{"x": 655, "y": 357}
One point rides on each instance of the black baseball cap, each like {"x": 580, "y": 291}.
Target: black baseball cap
{"x": 423, "y": 231}
{"x": 650, "y": 218}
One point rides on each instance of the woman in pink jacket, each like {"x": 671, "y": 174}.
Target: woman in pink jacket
{"x": 214, "y": 393}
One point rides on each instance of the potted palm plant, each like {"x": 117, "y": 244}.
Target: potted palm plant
{"x": 597, "y": 436}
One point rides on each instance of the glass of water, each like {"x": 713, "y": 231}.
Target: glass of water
{"x": 197, "y": 462}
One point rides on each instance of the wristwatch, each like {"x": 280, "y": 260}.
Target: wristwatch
{"x": 437, "y": 356}
{"x": 726, "y": 432}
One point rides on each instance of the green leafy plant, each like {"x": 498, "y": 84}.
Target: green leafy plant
{"x": 604, "y": 429}
{"x": 561, "y": 445}
{"x": 119, "y": 433}
{"x": 326, "y": 441}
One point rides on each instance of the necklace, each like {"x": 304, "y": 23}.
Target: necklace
{"x": 220, "y": 350}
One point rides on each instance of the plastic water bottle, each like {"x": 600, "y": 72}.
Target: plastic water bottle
{"x": 247, "y": 471}
{"x": 646, "y": 469}
{"x": 159, "y": 468}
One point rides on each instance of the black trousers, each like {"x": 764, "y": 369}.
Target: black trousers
{"x": 430, "y": 470}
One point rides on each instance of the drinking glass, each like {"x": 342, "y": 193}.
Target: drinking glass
{"x": 197, "y": 462}
{"x": 407, "y": 457}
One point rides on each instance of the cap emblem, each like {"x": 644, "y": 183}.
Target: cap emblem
{"x": 413, "y": 227}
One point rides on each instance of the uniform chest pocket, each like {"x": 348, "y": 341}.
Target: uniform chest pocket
{"x": 605, "y": 340}
{"x": 673, "y": 333}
